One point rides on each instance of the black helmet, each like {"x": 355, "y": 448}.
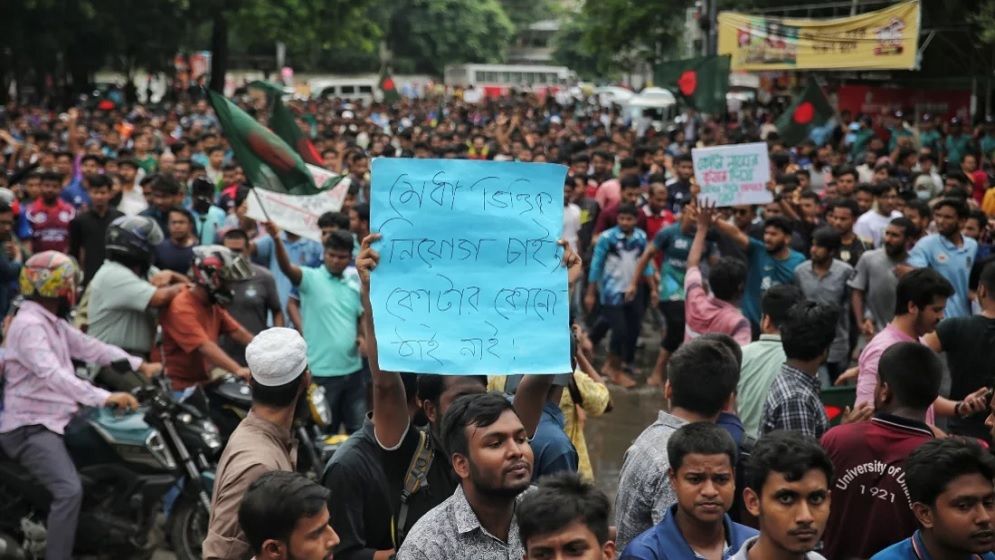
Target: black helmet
{"x": 131, "y": 240}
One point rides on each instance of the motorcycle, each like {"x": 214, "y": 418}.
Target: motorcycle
{"x": 230, "y": 399}
{"x": 127, "y": 463}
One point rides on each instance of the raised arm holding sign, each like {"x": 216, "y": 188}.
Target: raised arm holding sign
{"x": 733, "y": 175}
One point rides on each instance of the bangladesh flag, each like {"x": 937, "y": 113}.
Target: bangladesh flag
{"x": 807, "y": 116}
{"x": 268, "y": 162}
{"x": 702, "y": 82}
{"x": 388, "y": 87}
{"x": 282, "y": 122}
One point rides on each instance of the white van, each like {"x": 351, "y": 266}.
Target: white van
{"x": 653, "y": 107}
{"x": 354, "y": 89}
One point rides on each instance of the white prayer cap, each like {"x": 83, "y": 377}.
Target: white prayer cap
{"x": 276, "y": 356}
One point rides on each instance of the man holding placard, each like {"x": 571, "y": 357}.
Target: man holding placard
{"x": 465, "y": 278}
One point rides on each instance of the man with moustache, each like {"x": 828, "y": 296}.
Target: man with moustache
{"x": 401, "y": 441}
{"x": 489, "y": 450}
{"x": 874, "y": 282}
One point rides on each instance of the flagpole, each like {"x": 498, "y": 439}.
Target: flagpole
{"x": 259, "y": 199}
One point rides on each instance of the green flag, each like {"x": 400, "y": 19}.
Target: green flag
{"x": 388, "y": 87}
{"x": 806, "y": 115}
{"x": 268, "y": 162}
{"x": 282, "y": 122}
{"x": 702, "y": 82}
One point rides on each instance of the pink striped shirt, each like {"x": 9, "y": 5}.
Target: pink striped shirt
{"x": 41, "y": 384}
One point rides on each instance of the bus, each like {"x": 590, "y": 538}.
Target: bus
{"x": 498, "y": 79}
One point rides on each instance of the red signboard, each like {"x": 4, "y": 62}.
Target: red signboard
{"x": 870, "y": 100}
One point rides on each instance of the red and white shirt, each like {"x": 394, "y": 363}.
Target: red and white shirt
{"x": 50, "y": 225}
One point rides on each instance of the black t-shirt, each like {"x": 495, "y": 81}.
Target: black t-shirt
{"x": 969, "y": 343}
{"x": 170, "y": 256}
{"x": 678, "y": 194}
{"x": 359, "y": 507}
{"x": 442, "y": 481}
{"x": 87, "y": 231}
{"x": 589, "y": 211}
{"x": 850, "y": 253}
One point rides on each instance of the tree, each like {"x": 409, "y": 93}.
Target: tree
{"x": 523, "y": 13}
{"x": 570, "y": 50}
{"x": 54, "y": 47}
{"x": 434, "y": 33}
{"x": 632, "y": 29}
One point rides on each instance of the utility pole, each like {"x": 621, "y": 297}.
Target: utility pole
{"x": 713, "y": 27}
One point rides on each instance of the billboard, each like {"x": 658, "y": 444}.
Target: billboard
{"x": 882, "y": 39}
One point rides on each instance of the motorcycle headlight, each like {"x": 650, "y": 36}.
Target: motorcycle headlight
{"x": 210, "y": 436}
{"x": 321, "y": 413}
{"x": 157, "y": 447}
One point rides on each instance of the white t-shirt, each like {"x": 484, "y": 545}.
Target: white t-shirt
{"x": 870, "y": 226}
{"x": 571, "y": 224}
{"x": 132, "y": 202}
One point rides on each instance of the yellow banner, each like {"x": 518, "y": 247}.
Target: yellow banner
{"x": 883, "y": 39}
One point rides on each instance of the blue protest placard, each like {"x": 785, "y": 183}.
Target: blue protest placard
{"x": 470, "y": 279}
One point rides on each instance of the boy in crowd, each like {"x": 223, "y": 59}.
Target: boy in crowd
{"x": 824, "y": 279}
{"x": 718, "y": 311}
{"x": 762, "y": 359}
{"x": 787, "y": 490}
{"x": 861, "y": 522}
{"x": 953, "y": 499}
{"x": 612, "y": 271}
{"x": 285, "y": 517}
{"x": 969, "y": 344}
{"x": 949, "y": 252}
{"x": 793, "y": 402}
{"x": 701, "y": 380}
{"x": 565, "y": 517}
{"x": 702, "y": 462}
{"x": 670, "y": 247}
{"x": 842, "y": 214}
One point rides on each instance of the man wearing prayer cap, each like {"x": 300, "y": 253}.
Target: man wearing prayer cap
{"x": 263, "y": 441}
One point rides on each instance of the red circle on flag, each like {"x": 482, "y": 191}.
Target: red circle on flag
{"x": 388, "y": 84}
{"x": 688, "y": 82}
{"x": 804, "y": 113}
{"x": 276, "y": 156}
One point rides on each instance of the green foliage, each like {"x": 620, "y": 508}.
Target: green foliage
{"x": 984, "y": 19}
{"x": 309, "y": 28}
{"x": 434, "y": 33}
{"x": 570, "y": 50}
{"x": 523, "y": 13}
{"x": 630, "y": 30}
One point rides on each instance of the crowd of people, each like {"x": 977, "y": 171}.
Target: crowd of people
{"x": 871, "y": 266}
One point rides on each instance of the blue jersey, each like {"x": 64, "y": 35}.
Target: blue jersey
{"x": 953, "y": 263}
{"x": 614, "y": 263}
